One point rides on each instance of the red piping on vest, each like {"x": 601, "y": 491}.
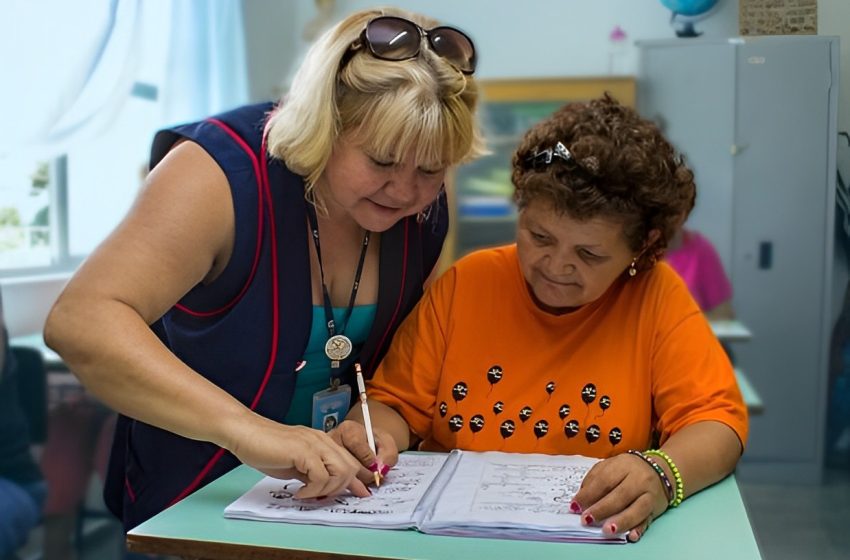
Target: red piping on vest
{"x": 238, "y": 139}
{"x": 129, "y": 489}
{"x": 400, "y": 297}
{"x": 266, "y": 191}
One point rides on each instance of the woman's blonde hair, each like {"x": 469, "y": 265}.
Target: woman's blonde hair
{"x": 388, "y": 107}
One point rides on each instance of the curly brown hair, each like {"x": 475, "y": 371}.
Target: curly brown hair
{"x": 618, "y": 166}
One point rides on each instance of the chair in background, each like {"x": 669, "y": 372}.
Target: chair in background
{"x": 32, "y": 390}
{"x": 30, "y": 381}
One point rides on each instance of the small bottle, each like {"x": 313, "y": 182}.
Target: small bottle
{"x": 617, "y": 51}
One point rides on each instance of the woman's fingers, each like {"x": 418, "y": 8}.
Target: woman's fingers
{"x": 387, "y": 450}
{"x": 303, "y": 453}
{"x": 328, "y": 472}
{"x": 352, "y": 436}
{"x": 603, "y": 477}
{"x": 619, "y": 494}
{"x": 636, "y": 533}
{"x": 614, "y": 516}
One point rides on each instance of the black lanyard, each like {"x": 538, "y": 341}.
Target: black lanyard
{"x": 338, "y": 346}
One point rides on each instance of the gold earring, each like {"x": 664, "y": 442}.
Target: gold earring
{"x": 633, "y": 267}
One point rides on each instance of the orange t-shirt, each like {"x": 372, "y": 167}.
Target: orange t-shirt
{"x": 477, "y": 365}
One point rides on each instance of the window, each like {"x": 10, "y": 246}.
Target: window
{"x": 89, "y": 140}
{"x": 30, "y": 197}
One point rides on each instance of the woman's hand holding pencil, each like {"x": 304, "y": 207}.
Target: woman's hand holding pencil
{"x": 375, "y": 449}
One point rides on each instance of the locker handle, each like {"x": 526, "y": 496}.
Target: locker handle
{"x": 736, "y": 149}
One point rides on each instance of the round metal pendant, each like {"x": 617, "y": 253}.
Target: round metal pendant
{"x": 338, "y": 347}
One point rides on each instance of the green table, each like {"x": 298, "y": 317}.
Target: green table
{"x": 711, "y": 525}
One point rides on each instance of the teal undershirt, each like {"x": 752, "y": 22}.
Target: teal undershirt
{"x": 315, "y": 376}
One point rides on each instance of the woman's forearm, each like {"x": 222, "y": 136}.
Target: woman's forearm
{"x": 125, "y": 365}
{"x": 704, "y": 453}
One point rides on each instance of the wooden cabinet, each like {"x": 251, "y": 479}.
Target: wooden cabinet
{"x": 480, "y": 193}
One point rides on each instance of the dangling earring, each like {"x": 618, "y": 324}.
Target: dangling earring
{"x": 633, "y": 267}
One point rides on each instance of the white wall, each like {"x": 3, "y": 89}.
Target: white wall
{"x": 553, "y": 37}
{"x": 272, "y": 33}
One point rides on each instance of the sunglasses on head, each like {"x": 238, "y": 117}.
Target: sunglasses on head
{"x": 395, "y": 38}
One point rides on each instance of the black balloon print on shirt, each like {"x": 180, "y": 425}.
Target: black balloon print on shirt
{"x": 525, "y": 413}
{"x": 541, "y": 428}
{"x": 564, "y": 411}
{"x": 494, "y": 375}
{"x": 604, "y": 402}
{"x": 456, "y": 423}
{"x": 571, "y": 428}
{"x": 615, "y": 435}
{"x": 498, "y": 407}
{"x": 507, "y": 429}
{"x": 444, "y": 408}
{"x": 592, "y": 433}
{"x": 476, "y": 423}
{"x": 588, "y": 393}
{"x": 459, "y": 391}
{"x": 550, "y": 388}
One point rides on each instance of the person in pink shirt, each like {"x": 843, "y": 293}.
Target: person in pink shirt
{"x": 693, "y": 256}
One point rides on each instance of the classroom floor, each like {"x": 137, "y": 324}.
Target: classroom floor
{"x": 790, "y": 522}
{"x": 796, "y": 522}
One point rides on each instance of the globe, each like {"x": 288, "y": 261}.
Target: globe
{"x": 689, "y": 7}
{"x": 686, "y": 13}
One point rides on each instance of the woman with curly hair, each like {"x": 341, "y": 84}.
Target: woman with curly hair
{"x": 576, "y": 340}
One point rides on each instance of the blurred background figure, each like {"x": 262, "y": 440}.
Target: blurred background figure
{"x": 695, "y": 259}
{"x": 22, "y": 487}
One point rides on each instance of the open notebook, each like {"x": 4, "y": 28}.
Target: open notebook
{"x": 464, "y": 493}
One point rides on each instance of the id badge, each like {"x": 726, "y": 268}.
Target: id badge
{"x": 330, "y": 407}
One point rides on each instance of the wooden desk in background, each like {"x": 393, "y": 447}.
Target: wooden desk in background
{"x": 713, "y": 524}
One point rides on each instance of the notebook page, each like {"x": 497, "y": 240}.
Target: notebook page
{"x": 528, "y": 494}
{"x": 390, "y": 507}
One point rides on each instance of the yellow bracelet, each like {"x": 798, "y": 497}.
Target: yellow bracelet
{"x": 680, "y": 484}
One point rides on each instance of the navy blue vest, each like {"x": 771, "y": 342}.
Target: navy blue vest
{"x": 247, "y": 330}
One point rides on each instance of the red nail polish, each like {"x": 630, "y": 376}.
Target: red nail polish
{"x": 384, "y": 470}
{"x": 373, "y": 467}
{"x": 588, "y": 519}
{"x": 613, "y": 528}
{"x": 574, "y": 507}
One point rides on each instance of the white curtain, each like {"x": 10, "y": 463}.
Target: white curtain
{"x": 67, "y": 67}
{"x": 207, "y": 69}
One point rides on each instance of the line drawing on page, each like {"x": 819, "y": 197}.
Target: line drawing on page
{"x": 527, "y": 488}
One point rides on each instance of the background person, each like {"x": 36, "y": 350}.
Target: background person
{"x": 22, "y": 487}
{"x": 693, "y": 256}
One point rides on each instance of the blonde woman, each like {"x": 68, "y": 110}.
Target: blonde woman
{"x": 271, "y": 248}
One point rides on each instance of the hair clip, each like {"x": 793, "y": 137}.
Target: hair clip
{"x": 545, "y": 157}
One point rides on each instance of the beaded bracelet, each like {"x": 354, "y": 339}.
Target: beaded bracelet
{"x": 668, "y": 488}
{"x": 680, "y": 484}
